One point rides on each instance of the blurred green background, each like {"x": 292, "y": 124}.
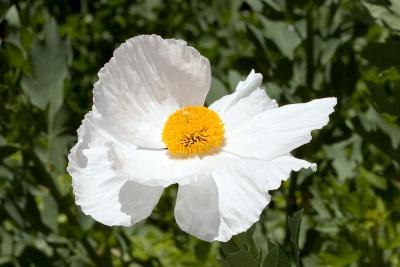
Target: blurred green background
{"x": 50, "y": 52}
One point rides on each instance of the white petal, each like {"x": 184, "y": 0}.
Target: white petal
{"x": 101, "y": 193}
{"x": 247, "y": 100}
{"x": 276, "y": 132}
{"x": 138, "y": 200}
{"x": 196, "y": 209}
{"x": 157, "y": 168}
{"x": 152, "y": 167}
{"x": 146, "y": 80}
{"x": 229, "y": 200}
{"x": 271, "y": 173}
{"x": 241, "y": 201}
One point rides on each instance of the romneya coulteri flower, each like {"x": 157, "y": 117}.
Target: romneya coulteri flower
{"x": 148, "y": 129}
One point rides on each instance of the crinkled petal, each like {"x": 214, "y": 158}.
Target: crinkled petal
{"x": 196, "y": 209}
{"x": 158, "y": 168}
{"x": 248, "y": 100}
{"x": 271, "y": 173}
{"x": 276, "y": 132}
{"x": 229, "y": 200}
{"x": 138, "y": 200}
{"x": 146, "y": 80}
{"x": 103, "y": 194}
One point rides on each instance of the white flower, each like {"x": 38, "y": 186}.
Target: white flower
{"x": 148, "y": 129}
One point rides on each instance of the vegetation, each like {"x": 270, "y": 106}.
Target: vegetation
{"x": 51, "y": 51}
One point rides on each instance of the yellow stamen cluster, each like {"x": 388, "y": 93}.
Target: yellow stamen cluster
{"x": 193, "y": 131}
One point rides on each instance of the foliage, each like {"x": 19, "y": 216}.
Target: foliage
{"x": 50, "y": 52}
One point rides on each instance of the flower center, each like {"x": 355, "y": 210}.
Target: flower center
{"x": 193, "y": 131}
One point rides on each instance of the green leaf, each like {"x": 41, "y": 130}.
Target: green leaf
{"x": 202, "y": 250}
{"x": 294, "y": 224}
{"x": 256, "y": 5}
{"x": 6, "y": 243}
{"x": 234, "y": 78}
{"x": 345, "y": 156}
{"x": 329, "y": 50}
{"x": 240, "y": 251}
{"x": 14, "y": 212}
{"x": 276, "y": 5}
{"x": 372, "y": 121}
{"x": 374, "y": 179}
{"x": 340, "y": 258}
{"x": 272, "y": 258}
{"x": 57, "y": 141}
{"x": 43, "y": 246}
{"x": 276, "y": 258}
{"x": 318, "y": 204}
{"x": 15, "y": 55}
{"x": 4, "y": 4}
{"x": 49, "y": 70}
{"x": 282, "y": 34}
{"x": 49, "y": 213}
{"x": 385, "y": 15}
{"x": 12, "y": 16}
{"x": 217, "y": 91}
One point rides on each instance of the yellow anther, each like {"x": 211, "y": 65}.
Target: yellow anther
{"x": 193, "y": 131}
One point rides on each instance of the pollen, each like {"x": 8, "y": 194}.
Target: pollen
{"x": 193, "y": 131}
